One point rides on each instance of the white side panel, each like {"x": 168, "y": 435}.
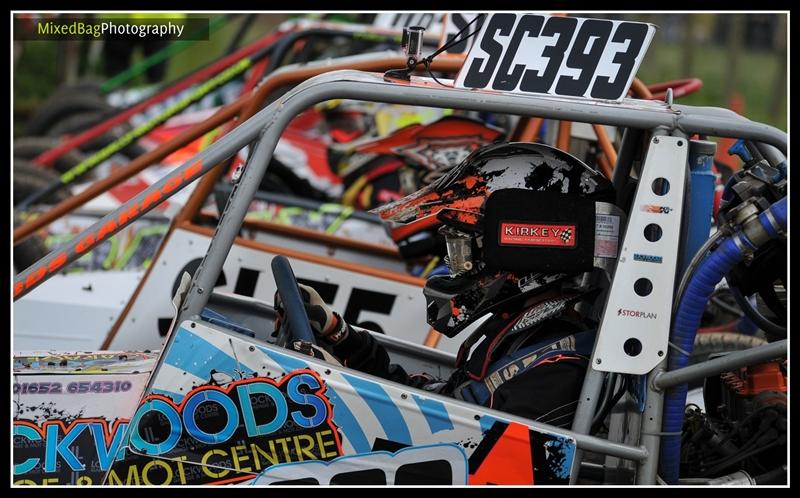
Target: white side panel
{"x": 634, "y": 330}
{"x": 72, "y": 312}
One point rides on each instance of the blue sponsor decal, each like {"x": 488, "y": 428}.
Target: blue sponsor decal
{"x": 199, "y": 357}
{"x": 647, "y": 258}
{"x": 435, "y": 414}
{"x": 383, "y": 407}
{"x": 342, "y": 416}
{"x": 73, "y": 445}
{"x": 567, "y": 449}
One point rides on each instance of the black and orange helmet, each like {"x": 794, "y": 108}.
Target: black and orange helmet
{"x": 515, "y": 217}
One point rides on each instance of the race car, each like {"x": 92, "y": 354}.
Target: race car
{"x": 228, "y": 402}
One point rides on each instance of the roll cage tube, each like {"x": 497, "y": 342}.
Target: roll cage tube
{"x": 356, "y": 85}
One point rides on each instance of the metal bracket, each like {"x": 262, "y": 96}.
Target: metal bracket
{"x": 634, "y": 330}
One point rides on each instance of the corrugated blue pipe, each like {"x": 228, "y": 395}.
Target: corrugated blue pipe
{"x": 687, "y": 319}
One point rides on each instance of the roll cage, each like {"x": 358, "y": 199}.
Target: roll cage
{"x": 262, "y": 131}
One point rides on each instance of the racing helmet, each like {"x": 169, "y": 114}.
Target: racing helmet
{"x": 516, "y": 218}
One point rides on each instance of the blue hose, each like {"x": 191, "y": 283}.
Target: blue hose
{"x": 684, "y": 328}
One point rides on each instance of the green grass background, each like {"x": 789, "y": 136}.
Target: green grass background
{"x": 755, "y": 81}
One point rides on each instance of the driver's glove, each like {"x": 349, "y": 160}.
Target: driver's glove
{"x": 326, "y": 323}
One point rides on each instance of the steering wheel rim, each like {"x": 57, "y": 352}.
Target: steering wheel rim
{"x": 295, "y": 320}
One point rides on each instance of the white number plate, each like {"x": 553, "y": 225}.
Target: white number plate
{"x": 564, "y": 56}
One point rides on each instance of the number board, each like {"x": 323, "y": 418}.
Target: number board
{"x": 564, "y": 56}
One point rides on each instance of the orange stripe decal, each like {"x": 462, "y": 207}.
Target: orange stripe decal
{"x": 107, "y": 229}
{"x": 57, "y": 262}
{"x": 193, "y": 170}
{"x": 172, "y": 184}
{"x": 152, "y": 198}
{"x": 85, "y": 244}
{"x": 35, "y": 276}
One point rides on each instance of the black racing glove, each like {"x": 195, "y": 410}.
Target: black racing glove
{"x": 326, "y": 323}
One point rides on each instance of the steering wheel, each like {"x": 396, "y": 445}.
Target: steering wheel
{"x": 295, "y": 325}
